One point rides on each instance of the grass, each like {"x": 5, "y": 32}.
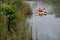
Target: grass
{"x": 22, "y": 30}
{"x": 21, "y": 22}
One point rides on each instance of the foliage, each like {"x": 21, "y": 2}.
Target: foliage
{"x": 16, "y": 13}
{"x": 11, "y": 15}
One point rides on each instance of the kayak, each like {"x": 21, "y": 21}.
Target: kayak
{"x": 41, "y": 13}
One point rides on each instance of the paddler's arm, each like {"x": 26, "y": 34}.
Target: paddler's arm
{"x": 44, "y": 10}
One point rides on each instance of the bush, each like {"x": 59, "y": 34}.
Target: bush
{"x": 14, "y": 12}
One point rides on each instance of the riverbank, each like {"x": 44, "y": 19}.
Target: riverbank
{"x": 22, "y": 30}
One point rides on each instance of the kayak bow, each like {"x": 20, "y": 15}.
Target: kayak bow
{"x": 41, "y": 13}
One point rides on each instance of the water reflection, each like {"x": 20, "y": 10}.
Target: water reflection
{"x": 56, "y": 7}
{"x": 48, "y": 27}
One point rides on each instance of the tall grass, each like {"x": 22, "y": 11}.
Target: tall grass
{"x": 19, "y": 28}
{"x": 3, "y": 27}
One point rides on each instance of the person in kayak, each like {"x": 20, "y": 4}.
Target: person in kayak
{"x": 41, "y": 11}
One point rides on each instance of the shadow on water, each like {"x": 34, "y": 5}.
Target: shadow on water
{"x": 45, "y": 27}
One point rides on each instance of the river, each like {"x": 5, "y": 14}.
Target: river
{"x": 45, "y": 27}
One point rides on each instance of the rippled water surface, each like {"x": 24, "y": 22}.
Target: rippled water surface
{"x": 45, "y": 27}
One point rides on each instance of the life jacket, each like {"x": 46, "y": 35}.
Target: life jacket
{"x": 40, "y": 10}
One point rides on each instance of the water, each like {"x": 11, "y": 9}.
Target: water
{"x": 45, "y": 27}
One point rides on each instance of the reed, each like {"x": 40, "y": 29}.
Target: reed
{"x": 14, "y": 16}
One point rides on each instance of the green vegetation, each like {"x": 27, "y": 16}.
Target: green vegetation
{"x": 13, "y": 25}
